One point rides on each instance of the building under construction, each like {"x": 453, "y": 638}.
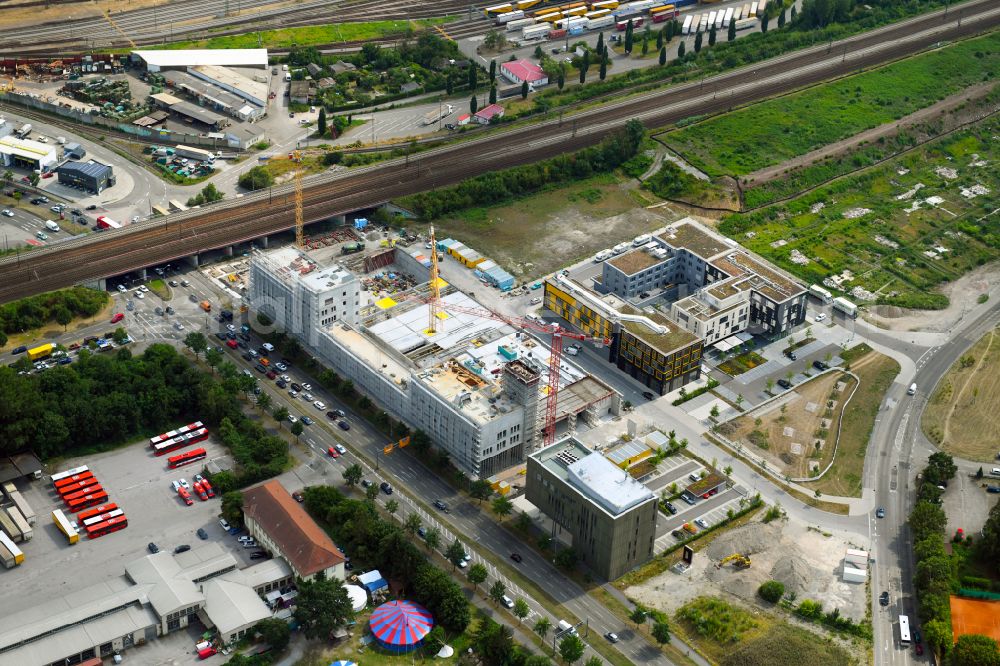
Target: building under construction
{"x": 476, "y": 385}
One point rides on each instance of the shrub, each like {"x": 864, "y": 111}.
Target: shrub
{"x": 772, "y": 591}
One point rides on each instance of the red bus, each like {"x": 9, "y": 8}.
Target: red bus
{"x": 186, "y": 458}
{"x": 180, "y": 441}
{"x": 70, "y": 480}
{"x": 70, "y": 472}
{"x": 174, "y": 433}
{"x": 96, "y": 511}
{"x": 94, "y": 520}
{"x": 88, "y": 501}
{"x": 108, "y": 526}
{"x": 70, "y": 488}
{"x": 95, "y": 487}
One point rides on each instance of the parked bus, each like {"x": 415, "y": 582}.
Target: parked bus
{"x": 904, "y": 631}
{"x": 108, "y": 526}
{"x": 174, "y": 433}
{"x": 70, "y": 472}
{"x": 664, "y": 13}
{"x": 96, "y": 511}
{"x": 71, "y": 481}
{"x": 100, "y": 518}
{"x": 88, "y": 501}
{"x": 59, "y": 518}
{"x": 186, "y": 458}
{"x": 81, "y": 492}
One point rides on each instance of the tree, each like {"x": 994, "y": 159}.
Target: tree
{"x": 275, "y": 633}
{"x": 979, "y": 474}
{"x": 561, "y": 80}
{"x": 638, "y": 616}
{"x": 521, "y": 610}
{"x": 926, "y": 519}
{"x": 697, "y": 43}
{"x": 33, "y": 178}
{"x": 938, "y": 635}
{"x": 392, "y": 506}
{"x": 493, "y": 94}
{"x": 680, "y": 56}
{"x": 480, "y": 490}
{"x": 711, "y": 35}
{"x": 502, "y": 507}
{"x": 63, "y": 316}
{"x": 781, "y": 19}
{"x": 661, "y": 632}
{"x": 669, "y": 30}
{"x": 473, "y": 105}
{"x": 497, "y": 591}
{"x": 628, "y": 37}
{"x": 493, "y": 71}
{"x": 793, "y": 14}
{"x": 322, "y": 606}
{"x": 449, "y": 85}
{"x": 524, "y": 90}
{"x": 412, "y": 523}
{"x": 477, "y": 574}
{"x": 769, "y": 384}
{"x": 434, "y": 640}
{"x": 663, "y": 55}
{"x": 763, "y": 23}
{"x": 583, "y": 74}
{"x": 603, "y": 72}
{"x": 714, "y": 412}
{"x": 645, "y": 41}
{"x": 280, "y": 414}
{"x": 594, "y": 661}
{"x": 432, "y": 539}
{"x": 213, "y": 357}
{"x": 297, "y": 429}
{"x": 600, "y": 43}
{"x": 659, "y": 38}
{"x": 731, "y": 35}
{"x": 321, "y": 122}
{"x": 257, "y": 178}
{"x": 264, "y": 402}
{"x": 990, "y": 543}
{"x": 455, "y": 553}
{"x": 542, "y": 627}
{"x": 473, "y": 78}
{"x": 371, "y": 492}
{"x": 196, "y": 342}
{"x": 975, "y": 650}
{"x": 771, "y": 591}
{"x": 571, "y": 648}
{"x": 232, "y": 507}
{"x": 353, "y": 474}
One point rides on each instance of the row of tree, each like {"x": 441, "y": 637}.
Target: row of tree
{"x": 55, "y": 306}
{"x": 500, "y": 186}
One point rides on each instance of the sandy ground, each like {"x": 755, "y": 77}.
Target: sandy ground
{"x": 961, "y": 293}
{"x": 802, "y": 558}
{"x": 869, "y": 136}
{"x": 14, "y": 16}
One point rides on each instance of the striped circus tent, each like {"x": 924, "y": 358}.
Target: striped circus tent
{"x": 400, "y": 626}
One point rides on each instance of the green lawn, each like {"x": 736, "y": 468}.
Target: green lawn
{"x": 866, "y": 223}
{"x": 309, "y": 35}
{"x": 771, "y": 132}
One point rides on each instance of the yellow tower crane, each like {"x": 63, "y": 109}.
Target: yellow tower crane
{"x": 434, "y": 304}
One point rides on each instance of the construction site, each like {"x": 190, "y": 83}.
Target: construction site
{"x": 812, "y": 562}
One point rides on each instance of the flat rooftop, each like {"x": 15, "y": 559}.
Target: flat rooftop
{"x": 673, "y": 339}
{"x": 593, "y": 476}
{"x": 632, "y": 262}
{"x": 194, "y": 57}
{"x": 760, "y": 276}
{"x": 694, "y": 239}
{"x": 244, "y": 86}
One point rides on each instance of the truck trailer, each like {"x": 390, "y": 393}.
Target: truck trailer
{"x": 23, "y": 131}
{"x": 437, "y": 114}
{"x": 22, "y": 524}
{"x": 9, "y": 552}
{"x": 8, "y": 527}
{"x": 22, "y": 506}
{"x": 41, "y": 351}
{"x": 105, "y": 222}
{"x": 845, "y": 306}
{"x": 195, "y": 153}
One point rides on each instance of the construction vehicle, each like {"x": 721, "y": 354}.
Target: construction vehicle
{"x": 738, "y": 560}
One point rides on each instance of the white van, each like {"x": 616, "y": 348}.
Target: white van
{"x": 51, "y": 226}
{"x": 566, "y": 627}
{"x": 288, "y": 77}
{"x": 912, "y": 390}
{"x": 507, "y": 601}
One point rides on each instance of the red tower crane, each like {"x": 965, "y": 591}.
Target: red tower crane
{"x": 555, "y": 356}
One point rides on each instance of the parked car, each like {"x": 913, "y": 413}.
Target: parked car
{"x": 702, "y": 523}
{"x": 258, "y": 555}
{"x": 153, "y": 548}
{"x": 880, "y": 512}
{"x": 784, "y": 383}
{"x": 438, "y": 504}
{"x": 298, "y": 496}
{"x": 386, "y": 487}
{"x": 611, "y": 636}
{"x": 516, "y": 557}
{"x": 883, "y": 598}
{"x": 19, "y": 350}
{"x": 340, "y": 449}
{"x": 307, "y": 421}
{"x": 344, "y": 425}
{"x": 670, "y": 507}
{"x": 292, "y": 418}
{"x": 183, "y": 548}
{"x": 821, "y": 365}
{"x": 202, "y": 534}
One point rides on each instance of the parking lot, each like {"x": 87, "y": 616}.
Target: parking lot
{"x": 140, "y": 484}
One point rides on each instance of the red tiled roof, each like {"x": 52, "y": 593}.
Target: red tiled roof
{"x": 488, "y": 112}
{"x": 525, "y": 70}
{"x": 301, "y": 541}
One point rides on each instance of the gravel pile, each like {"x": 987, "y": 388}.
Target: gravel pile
{"x": 794, "y": 572}
{"x": 746, "y": 540}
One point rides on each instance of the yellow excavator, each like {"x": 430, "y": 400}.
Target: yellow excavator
{"x": 740, "y": 561}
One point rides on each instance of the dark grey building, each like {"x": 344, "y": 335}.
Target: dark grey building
{"x": 91, "y": 175}
{"x": 610, "y": 515}
{"x": 74, "y": 150}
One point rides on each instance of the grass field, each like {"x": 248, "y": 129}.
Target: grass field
{"x": 740, "y": 364}
{"x": 843, "y": 479}
{"x": 329, "y": 33}
{"x": 961, "y": 414}
{"x": 536, "y": 235}
{"x": 880, "y": 226}
{"x": 732, "y": 636}
{"x": 771, "y": 132}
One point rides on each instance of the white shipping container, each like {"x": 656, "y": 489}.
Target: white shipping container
{"x": 703, "y": 25}
{"x": 535, "y": 31}
{"x": 711, "y": 19}
{"x": 718, "y": 19}
{"x": 762, "y": 6}
{"x": 745, "y": 24}
{"x": 638, "y": 6}
{"x": 727, "y": 18}
{"x": 520, "y": 23}
{"x": 686, "y": 28}
{"x": 753, "y": 9}
{"x": 509, "y": 16}
{"x": 603, "y": 22}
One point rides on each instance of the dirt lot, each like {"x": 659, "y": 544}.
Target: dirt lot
{"x": 960, "y": 416}
{"x": 799, "y": 430}
{"x": 805, "y": 559}
{"x": 538, "y": 234}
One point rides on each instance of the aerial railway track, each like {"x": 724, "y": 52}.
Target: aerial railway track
{"x": 264, "y": 212}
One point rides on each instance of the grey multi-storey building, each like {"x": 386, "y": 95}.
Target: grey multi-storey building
{"x": 610, "y": 516}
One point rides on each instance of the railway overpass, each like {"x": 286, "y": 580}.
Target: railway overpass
{"x": 266, "y": 212}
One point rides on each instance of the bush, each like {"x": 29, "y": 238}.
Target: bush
{"x": 37, "y": 311}
{"x": 256, "y": 178}
{"x": 772, "y": 591}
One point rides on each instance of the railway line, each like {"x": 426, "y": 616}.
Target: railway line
{"x": 264, "y": 212}
{"x": 201, "y": 19}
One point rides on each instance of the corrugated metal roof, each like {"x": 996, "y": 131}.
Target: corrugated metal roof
{"x": 88, "y": 168}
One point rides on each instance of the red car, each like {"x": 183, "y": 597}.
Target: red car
{"x": 271, "y": 374}
{"x": 47, "y": 174}
{"x": 231, "y": 344}
{"x": 74, "y": 346}
{"x": 333, "y": 452}
{"x": 117, "y": 318}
